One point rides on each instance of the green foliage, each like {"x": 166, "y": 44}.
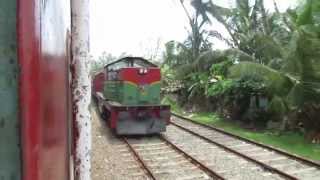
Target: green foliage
{"x": 250, "y": 85}
{"x": 221, "y": 69}
{"x": 168, "y": 73}
{"x": 198, "y": 82}
{"x": 202, "y": 80}
{"x": 309, "y": 13}
{"x": 176, "y": 54}
{"x": 101, "y": 61}
{"x": 275, "y": 81}
{"x": 294, "y": 82}
{"x": 220, "y": 88}
{"x": 218, "y": 84}
{"x": 170, "y": 84}
{"x": 278, "y": 107}
{"x": 173, "y": 104}
{"x": 273, "y": 58}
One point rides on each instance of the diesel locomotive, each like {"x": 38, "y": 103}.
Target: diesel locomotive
{"x": 127, "y": 92}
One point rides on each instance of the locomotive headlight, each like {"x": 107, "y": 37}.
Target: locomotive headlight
{"x": 143, "y": 71}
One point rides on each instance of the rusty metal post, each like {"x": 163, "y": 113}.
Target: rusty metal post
{"x": 81, "y": 88}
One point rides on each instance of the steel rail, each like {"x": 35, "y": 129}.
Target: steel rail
{"x": 193, "y": 160}
{"x": 139, "y": 159}
{"x": 292, "y": 156}
{"x": 272, "y": 169}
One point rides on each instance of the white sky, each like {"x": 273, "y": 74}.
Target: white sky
{"x": 135, "y": 26}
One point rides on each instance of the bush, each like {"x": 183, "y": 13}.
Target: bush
{"x": 243, "y": 99}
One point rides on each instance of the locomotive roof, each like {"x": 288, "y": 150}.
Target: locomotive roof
{"x": 137, "y": 60}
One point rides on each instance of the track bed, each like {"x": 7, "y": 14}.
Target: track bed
{"x": 162, "y": 160}
{"x": 286, "y": 165}
{"x": 189, "y": 151}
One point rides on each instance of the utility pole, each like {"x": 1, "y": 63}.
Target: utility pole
{"x": 81, "y": 88}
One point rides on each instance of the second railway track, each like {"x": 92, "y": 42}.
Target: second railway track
{"x": 161, "y": 159}
{"x": 286, "y": 165}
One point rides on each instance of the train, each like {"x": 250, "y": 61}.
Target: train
{"x": 38, "y": 131}
{"x": 127, "y": 92}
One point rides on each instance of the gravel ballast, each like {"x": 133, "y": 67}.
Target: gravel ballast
{"x": 224, "y": 163}
{"x": 111, "y": 159}
{"x": 269, "y": 157}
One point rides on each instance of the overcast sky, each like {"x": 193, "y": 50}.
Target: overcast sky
{"x": 137, "y": 26}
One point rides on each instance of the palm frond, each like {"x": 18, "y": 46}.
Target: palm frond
{"x": 239, "y": 55}
{"x": 276, "y": 82}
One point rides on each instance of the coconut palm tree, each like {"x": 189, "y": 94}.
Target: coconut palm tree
{"x": 250, "y": 27}
{"x": 297, "y": 81}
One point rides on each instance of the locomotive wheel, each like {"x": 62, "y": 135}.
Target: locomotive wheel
{"x": 105, "y": 114}
{"x": 94, "y": 99}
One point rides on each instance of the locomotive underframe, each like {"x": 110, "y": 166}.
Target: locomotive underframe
{"x": 134, "y": 120}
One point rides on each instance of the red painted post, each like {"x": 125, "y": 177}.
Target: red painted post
{"x": 28, "y": 53}
{"x": 43, "y": 88}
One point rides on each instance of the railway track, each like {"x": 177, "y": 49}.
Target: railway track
{"x": 161, "y": 159}
{"x": 273, "y": 160}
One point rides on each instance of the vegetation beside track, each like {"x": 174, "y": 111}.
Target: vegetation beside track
{"x": 291, "y": 142}
{"x": 268, "y": 75}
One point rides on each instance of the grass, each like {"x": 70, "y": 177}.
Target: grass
{"x": 291, "y": 142}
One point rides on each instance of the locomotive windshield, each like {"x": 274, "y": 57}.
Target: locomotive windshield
{"x": 138, "y": 62}
{"x": 129, "y": 62}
